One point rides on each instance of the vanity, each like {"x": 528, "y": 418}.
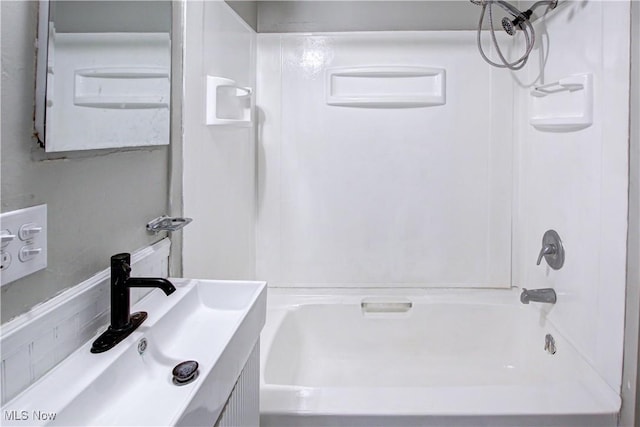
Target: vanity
{"x": 213, "y": 323}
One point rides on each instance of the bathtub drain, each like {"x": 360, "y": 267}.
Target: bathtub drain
{"x": 549, "y": 344}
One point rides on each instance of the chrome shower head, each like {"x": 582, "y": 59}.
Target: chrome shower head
{"x": 509, "y": 26}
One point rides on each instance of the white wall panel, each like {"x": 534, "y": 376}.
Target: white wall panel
{"x": 630, "y": 413}
{"x": 219, "y": 161}
{"x": 382, "y": 196}
{"x": 576, "y": 182}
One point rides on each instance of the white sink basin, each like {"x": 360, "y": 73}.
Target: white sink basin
{"x": 215, "y": 323}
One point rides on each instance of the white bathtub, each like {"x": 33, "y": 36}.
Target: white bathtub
{"x": 455, "y": 357}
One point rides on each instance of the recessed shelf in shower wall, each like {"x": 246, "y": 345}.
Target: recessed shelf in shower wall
{"x": 227, "y": 103}
{"x": 385, "y": 86}
{"x": 565, "y": 105}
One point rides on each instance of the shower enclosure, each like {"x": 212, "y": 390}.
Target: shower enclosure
{"x": 367, "y": 164}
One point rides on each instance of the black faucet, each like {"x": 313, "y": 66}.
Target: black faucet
{"x": 122, "y": 322}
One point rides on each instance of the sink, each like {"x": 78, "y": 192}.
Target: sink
{"x": 216, "y": 323}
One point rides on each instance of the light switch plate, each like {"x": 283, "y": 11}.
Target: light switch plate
{"x": 24, "y": 242}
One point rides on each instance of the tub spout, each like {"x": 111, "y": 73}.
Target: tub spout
{"x": 547, "y": 295}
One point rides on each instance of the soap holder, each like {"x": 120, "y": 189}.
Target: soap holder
{"x": 166, "y": 223}
{"x": 227, "y": 103}
{"x": 565, "y": 105}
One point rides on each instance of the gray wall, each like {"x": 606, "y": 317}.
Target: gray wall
{"x": 269, "y": 16}
{"x": 247, "y": 10}
{"x": 294, "y": 16}
{"x": 359, "y": 15}
{"x": 98, "y": 202}
{"x": 111, "y": 16}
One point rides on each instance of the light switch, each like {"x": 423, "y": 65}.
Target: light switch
{"x": 27, "y": 231}
{"x": 24, "y": 242}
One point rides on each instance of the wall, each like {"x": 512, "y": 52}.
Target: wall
{"x": 110, "y": 16}
{"x": 576, "y": 182}
{"x": 247, "y": 10}
{"x": 98, "y": 202}
{"x": 389, "y": 196}
{"x": 219, "y": 161}
{"x": 359, "y": 15}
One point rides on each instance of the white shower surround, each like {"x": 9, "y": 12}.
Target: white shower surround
{"x": 575, "y": 182}
{"x": 219, "y": 161}
{"x": 389, "y": 196}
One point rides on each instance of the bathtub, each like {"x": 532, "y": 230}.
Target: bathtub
{"x": 404, "y": 357}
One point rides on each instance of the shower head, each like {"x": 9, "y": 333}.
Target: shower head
{"x": 509, "y": 26}
{"x": 515, "y": 20}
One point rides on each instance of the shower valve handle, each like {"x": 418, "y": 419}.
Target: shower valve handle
{"x": 546, "y": 250}
{"x": 552, "y": 250}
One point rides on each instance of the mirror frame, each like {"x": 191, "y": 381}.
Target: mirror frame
{"x": 42, "y": 104}
{"x": 42, "y": 51}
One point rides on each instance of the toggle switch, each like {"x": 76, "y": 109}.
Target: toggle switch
{"x": 28, "y": 252}
{"x": 23, "y": 250}
{"x": 27, "y": 231}
{"x": 6, "y": 237}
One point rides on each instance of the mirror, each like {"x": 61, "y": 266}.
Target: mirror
{"x": 103, "y": 74}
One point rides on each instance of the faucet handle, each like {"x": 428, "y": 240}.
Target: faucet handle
{"x": 546, "y": 250}
{"x": 121, "y": 262}
{"x": 552, "y": 250}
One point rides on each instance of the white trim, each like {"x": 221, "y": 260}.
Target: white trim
{"x": 42, "y": 44}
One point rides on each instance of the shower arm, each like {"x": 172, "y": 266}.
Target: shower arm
{"x": 551, "y": 4}
{"x": 521, "y": 21}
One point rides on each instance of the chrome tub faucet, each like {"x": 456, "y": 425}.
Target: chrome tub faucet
{"x": 546, "y": 295}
